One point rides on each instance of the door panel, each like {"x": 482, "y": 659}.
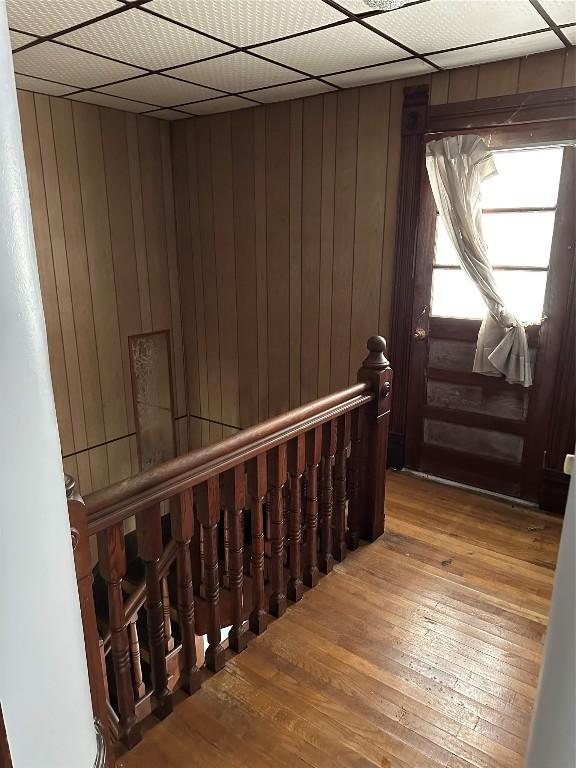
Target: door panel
{"x": 473, "y": 428}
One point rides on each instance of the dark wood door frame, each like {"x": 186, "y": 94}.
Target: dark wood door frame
{"x": 510, "y": 121}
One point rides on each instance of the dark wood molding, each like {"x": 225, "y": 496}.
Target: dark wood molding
{"x": 554, "y": 491}
{"x": 466, "y": 329}
{"x": 5, "y": 758}
{"x": 411, "y": 163}
{"x": 477, "y": 420}
{"x": 519, "y": 109}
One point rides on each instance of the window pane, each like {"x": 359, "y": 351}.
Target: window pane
{"x": 513, "y": 239}
{"x": 523, "y": 293}
{"x": 445, "y": 253}
{"x": 519, "y": 239}
{"x": 526, "y": 178}
{"x": 455, "y": 295}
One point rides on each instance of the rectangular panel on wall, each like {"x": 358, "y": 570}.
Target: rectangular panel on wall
{"x": 471, "y": 440}
{"x": 150, "y": 360}
{"x": 508, "y": 403}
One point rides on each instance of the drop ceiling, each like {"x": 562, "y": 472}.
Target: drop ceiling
{"x": 176, "y": 58}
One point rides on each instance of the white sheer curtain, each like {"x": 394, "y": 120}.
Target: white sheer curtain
{"x": 456, "y": 166}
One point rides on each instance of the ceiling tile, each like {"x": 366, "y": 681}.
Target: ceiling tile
{"x": 224, "y": 104}
{"x": 160, "y": 90}
{"x": 505, "y": 49}
{"x": 104, "y": 100}
{"x": 381, "y": 73}
{"x": 290, "y": 91}
{"x": 144, "y": 40}
{"x": 570, "y": 33}
{"x": 168, "y": 114}
{"x": 331, "y": 50}
{"x": 67, "y": 65}
{"x": 18, "y": 39}
{"x": 44, "y": 17}
{"x": 244, "y": 22}
{"x": 440, "y": 24}
{"x": 561, "y": 11}
{"x": 27, "y": 83}
{"x": 235, "y": 72}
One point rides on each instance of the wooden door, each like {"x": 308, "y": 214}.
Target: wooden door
{"x": 478, "y": 429}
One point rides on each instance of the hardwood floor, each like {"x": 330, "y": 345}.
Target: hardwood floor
{"x": 421, "y": 650}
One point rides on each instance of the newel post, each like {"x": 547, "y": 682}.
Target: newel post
{"x": 92, "y": 641}
{"x": 376, "y": 372}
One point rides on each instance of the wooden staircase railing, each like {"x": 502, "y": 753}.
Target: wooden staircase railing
{"x": 253, "y": 519}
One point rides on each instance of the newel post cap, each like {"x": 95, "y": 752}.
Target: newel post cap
{"x": 376, "y": 359}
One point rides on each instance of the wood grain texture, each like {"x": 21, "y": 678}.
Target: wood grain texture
{"x": 422, "y": 649}
{"x": 282, "y": 218}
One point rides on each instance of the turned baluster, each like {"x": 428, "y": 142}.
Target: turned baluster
{"x": 234, "y": 500}
{"x": 137, "y": 681}
{"x": 169, "y": 640}
{"x": 112, "y": 560}
{"x": 296, "y": 464}
{"x": 257, "y": 490}
{"x": 208, "y": 510}
{"x": 92, "y": 641}
{"x": 225, "y": 559}
{"x": 354, "y": 479}
{"x": 276, "y": 481}
{"x": 313, "y": 456}
{"x": 342, "y": 441}
{"x": 376, "y": 372}
{"x": 182, "y": 525}
{"x": 150, "y": 548}
{"x": 326, "y": 559}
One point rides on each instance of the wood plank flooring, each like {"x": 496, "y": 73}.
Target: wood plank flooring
{"x": 419, "y": 651}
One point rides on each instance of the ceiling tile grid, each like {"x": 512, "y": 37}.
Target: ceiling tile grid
{"x": 144, "y": 40}
{"x": 68, "y": 65}
{"x": 236, "y": 72}
{"x": 247, "y": 22}
{"x": 160, "y": 90}
{"x": 186, "y": 57}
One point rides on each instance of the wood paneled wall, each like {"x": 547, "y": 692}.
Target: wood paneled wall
{"x": 286, "y": 219}
{"x": 102, "y": 207}
{"x": 263, "y": 240}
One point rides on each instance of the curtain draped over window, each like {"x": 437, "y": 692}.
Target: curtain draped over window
{"x": 456, "y": 167}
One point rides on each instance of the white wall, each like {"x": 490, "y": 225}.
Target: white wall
{"x": 553, "y": 732}
{"x": 43, "y": 679}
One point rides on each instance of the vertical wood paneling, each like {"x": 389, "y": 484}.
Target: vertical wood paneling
{"x": 498, "y": 78}
{"x": 392, "y": 183}
{"x": 223, "y": 205}
{"x": 122, "y": 235}
{"x": 538, "y": 73}
{"x": 261, "y": 265}
{"x": 278, "y": 253}
{"x": 263, "y": 240}
{"x": 245, "y": 252}
{"x": 73, "y": 218}
{"x": 44, "y": 258}
{"x": 373, "y": 117}
{"x": 101, "y": 267}
{"x": 198, "y": 296}
{"x": 208, "y": 276}
{"x": 177, "y": 345}
{"x": 295, "y": 249}
{"x": 311, "y": 226}
{"x": 344, "y": 216}
{"x": 326, "y": 240}
{"x": 463, "y": 84}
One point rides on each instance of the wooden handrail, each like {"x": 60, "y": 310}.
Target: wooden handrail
{"x": 309, "y": 483}
{"x": 117, "y": 502}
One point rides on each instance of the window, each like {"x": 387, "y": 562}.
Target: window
{"x": 518, "y": 221}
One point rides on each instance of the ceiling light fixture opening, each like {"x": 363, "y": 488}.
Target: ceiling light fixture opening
{"x": 384, "y": 5}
